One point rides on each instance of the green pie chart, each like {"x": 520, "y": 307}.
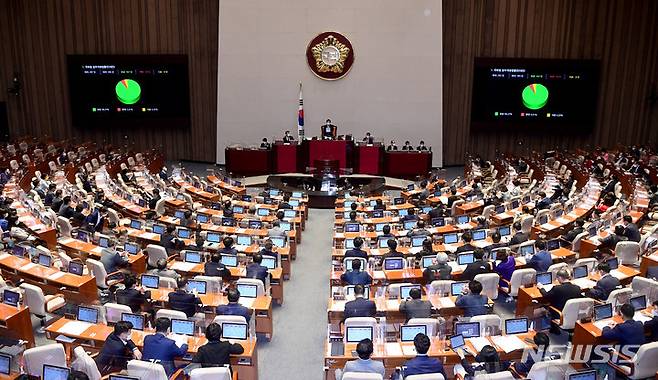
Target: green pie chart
{"x": 128, "y": 91}
{"x": 535, "y": 96}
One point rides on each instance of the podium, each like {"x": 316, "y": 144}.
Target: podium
{"x": 339, "y": 150}
{"x": 285, "y": 157}
{"x": 369, "y": 159}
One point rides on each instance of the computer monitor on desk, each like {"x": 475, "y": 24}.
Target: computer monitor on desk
{"x": 456, "y": 288}
{"x": 150, "y": 281}
{"x": 355, "y": 334}
{"x": 11, "y": 298}
{"x": 409, "y": 332}
{"x": 51, "y": 372}
{"x": 468, "y": 329}
{"x": 76, "y": 268}
{"x": 136, "y": 319}
{"x": 602, "y": 312}
{"x": 516, "y": 326}
{"x": 235, "y": 331}
{"x": 406, "y": 289}
{"x": 5, "y": 364}
{"x": 583, "y": 375}
{"x": 393, "y": 263}
{"x": 182, "y": 327}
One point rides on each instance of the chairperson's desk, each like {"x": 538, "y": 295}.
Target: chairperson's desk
{"x": 15, "y": 323}
{"x": 95, "y": 335}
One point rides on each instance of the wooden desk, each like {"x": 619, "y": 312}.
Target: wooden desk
{"x": 469, "y": 207}
{"x": 82, "y": 250}
{"x": 15, "y": 323}
{"x": 239, "y": 190}
{"x": 95, "y": 335}
{"x": 35, "y": 226}
{"x": 195, "y": 192}
{"x": 77, "y": 289}
{"x": 647, "y": 262}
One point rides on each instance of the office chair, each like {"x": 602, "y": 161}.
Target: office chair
{"x": 644, "y": 364}
{"x": 35, "y": 358}
{"x": 212, "y": 373}
{"x": 489, "y": 283}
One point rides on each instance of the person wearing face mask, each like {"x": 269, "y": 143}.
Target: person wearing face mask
{"x": 329, "y": 130}
{"x": 287, "y": 138}
{"x": 421, "y": 147}
{"x": 118, "y": 349}
{"x": 392, "y": 147}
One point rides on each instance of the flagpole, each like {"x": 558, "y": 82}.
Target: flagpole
{"x": 300, "y": 115}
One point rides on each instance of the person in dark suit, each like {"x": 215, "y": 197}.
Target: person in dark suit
{"x": 422, "y": 363}
{"x": 487, "y": 361}
{"x": 560, "y": 294}
{"x": 233, "y": 307}
{"x": 542, "y": 342}
{"x": 131, "y": 296}
{"x": 264, "y": 144}
{"x": 50, "y": 194}
{"x": 519, "y": 236}
{"x": 542, "y": 259}
{"x": 605, "y": 285}
{"x": 117, "y": 349}
{"x": 575, "y": 231}
{"x": 159, "y": 347}
{"x": 214, "y": 267}
{"x": 652, "y": 325}
{"x": 631, "y": 231}
{"x": 453, "y": 196}
{"x": 154, "y": 199}
{"x": 255, "y": 270}
{"x": 421, "y": 147}
{"x": 360, "y": 307}
{"x": 112, "y": 260}
{"x": 466, "y": 239}
{"x": 287, "y": 137}
{"x": 609, "y": 242}
{"x": 65, "y": 209}
{"x": 392, "y": 147}
{"x": 472, "y": 301}
{"x": 411, "y": 215}
{"x": 544, "y": 202}
{"x": 392, "y": 249}
{"x": 168, "y": 239}
{"x": 357, "y": 251}
{"x": 216, "y": 353}
{"x": 95, "y": 220}
{"x": 414, "y": 307}
{"x": 183, "y": 301}
{"x": 479, "y": 266}
{"x": 440, "y": 270}
{"x": 268, "y": 250}
{"x": 407, "y": 147}
{"x": 629, "y": 334}
{"x": 379, "y": 205}
{"x": 328, "y": 130}
{"x": 437, "y": 211}
{"x": 386, "y": 233}
{"x": 228, "y": 247}
{"x": 356, "y": 276}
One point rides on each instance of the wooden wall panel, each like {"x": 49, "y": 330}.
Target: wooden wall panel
{"x": 623, "y": 35}
{"x": 36, "y": 36}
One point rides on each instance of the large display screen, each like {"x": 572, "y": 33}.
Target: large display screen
{"x": 534, "y": 93}
{"x": 129, "y": 90}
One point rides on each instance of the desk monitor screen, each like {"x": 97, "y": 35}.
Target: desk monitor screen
{"x": 182, "y": 327}
{"x": 236, "y": 331}
{"x": 465, "y": 258}
{"x": 193, "y": 257}
{"x": 426, "y": 209}
{"x": 456, "y": 341}
{"x": 479, "y": 235}
{"x": 83, "y": 235}
{"x": 403, "y": 212}
{"x": 463, "y": 219}
{"x": 580, "y": 271}
{"x": 238, "y": 209}
{"x": 180, "y": 197}
{"x": 450, "y": 238}
{"x": 289, "y": 213}
{"x": 379, "y": 227}
{"x": 516, "y": 326}
{"x": 468, "y": 329}
{"x": 410, "y": 187}
{"x": 499, "y": 209}
{"x": 514, "y": 205}
{"x": 349, "y": 243}
{"x": 603, "y": 311}
{"x": 355, "y": 334}
{"x": 417, "y": 241}
{"x": 244, "y": 240}
{"x": 372, "y": 203}
{"x": 199, "y": 286}
{"x": 5, "y": 364}
{"x": 527, "y": 249}
{"x": 558, "y": 213}
{"x": 268, "y": 200}
{"x": 230, "y": 260}
{"x": 427, "y": 261}
{"x": 526, "y": 199}
{"x": 18, "y": 251}
{"x": 213, "y": 237}
{"x": 545, "y": 278}
{"x": 135, "y": 224}
{"x": 398, "y": 201}
{"x": 456, "y": 288}
{"x": 183, "y": 233}
{"x": 293, "y": 202}
{"x": 553, "y": 244}
{"x": 352, "y": 227}
{"x": 202, "y": 218}
{"x": 286, "y": 226}
{"x": 131, "y": 248}
{"x": 179, "y": 214}
{"x": 409, "y": 224}
{"x": 583, "y": 375}
{"x": 409, "y": 332}
{"x": 158, "y": 229}
{"x": 591, "y": 230}
{"x": 639, "y": 302}
{"x": 51, "y": 372}
{"x": 274, "y": 192}
{"x": 103, "y": 242}
{"x": 349, "y": 291}
{"x": 255, "y": 224}
{"x": 262, "y": 212}
{"x": 228, "y": 222}
{"x": 11, "y": 298}
{"x": 505, "y": 231}
{"x": 141, "y": 202}
{"x": 378, "y": 213}
{"x": 383, "y": 243}
{"x": 269, "y": 262}
{"x": 87, "y": 314}
{"x": 438, "y": 222}
{"x": 44, "y": 260}
{"x": 543, "y": 219}
{"x": 136, "y": 319}
{"x": 247, "y": 290}
{"x": 278, "y": 241}
{"x": 613, "y": 262}
{"x": 246, "y": 198}
{"x": 347, "y": 262}
{"x": 394, "y": 263}
{"x": 405, "y": 289}
{"x": 346, "y": 215}
{"x": 297, "y": 194}
{"x": 150, "y": 281}
{"x": 76, "y": 268}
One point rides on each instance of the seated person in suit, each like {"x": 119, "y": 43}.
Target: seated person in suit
{"x": 285, "y": 205}
{"x": 352, "y": 218}
{"x": 130, "y": 295}
{"x": 168, "y": 240}
{"x": 159, "y": 348}
{"x": 542, "y": 342}
{"x": 407, "y": 147}
{"x": 276, "y": 230}
{"x": 363, "y": 364}
{"x": 360, "y": 307}
{"x": 268, "y": 250}
{"x": 183, "y": 301}
{"x": 629, "y": 334}
{"x": 609, "y": 242}
{"x": 379, "y": 205}
{"x": 228, "y": 246}
{"x": 466, "y": 239}
{"x": 578, "y": 228}
{"x": 479, "y": 266}
{"x": 487, "y": 362}
{"x": 287, "y": 137}
{"x": 439, "y": 270}
{"x": 495, "y": 239}
{"x": 328, "y": 130}
{"x": 368, "y": 139}
{"x": 560, "y": 294}
{"x": 605, "y": 285}
{"x": 392, "y": 249}
{"x": 422, "y": 363}
{"x": 187, "y": 220}
{"x": 453, "y": 196}
{"x": 161, "y": 270}
{"x": 233, "y": 307}
{"x": 214, "y": 267}
{"x": 357, "y": 251}
{"x": 421, "y": 147}
{"x": 427, "y": 250}
{"x": 112, "y": 260}
{"x": 472, "y": 301}
{"x": 544, "y": 201}
{"x": 419, "y": 230}
{"x": 542, "y": 259}
{"x": 415, "y": 307}
{"x": 631, "y": 232}
{"x": 256, "y": 270}
{"x": 264, "y": 144}
{"x": 386, "y": 232}
{"x": 438, "y": 211}
{"x": 411, "y": 215}
{"x": 519, "y": 236}
{"x": 117, "y": 349}
{"x": 652, "y": 325}
{"x": 216, "y": 353}
{"x": 392, "y": 147}
{"x": 356, "y": 276}
{"x": 506, "y": 267}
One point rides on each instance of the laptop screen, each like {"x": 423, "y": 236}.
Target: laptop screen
{"x": 297, "y": 194}
{"x": 244, "y": 240}
{"x": 230, "y": 260}
{"x": 131, "y": 248}
{"x": 465, "y": 258}
{"x": 463, "y": 219}
{"x": 468, "y": 329}
{"x": 499, "y": 209}
{"x": 479, "y": 235}
{"x": 378, "y": 213}
{"x": 136, "y": 224}
{"x": 603, "y": 311}
{"x": 286, "y": 226}
{"x": 527, "y": 249}
{"x": 349, "y": 243}
{"x": 158, "y": 229}
{"x": 580, "y": 271}
{"x": 45, "y": 260}
{"x": 504, "y": 231}
{"x": 403, "y": 212}
{"x": 247, "y": 290}
{"x": 263, "y": 212}
{"x": 103, "y": 242}
{"x": 238, "y": 209}
{"x": 237, "y": 331}
{"x": 545, "y": 278}
{"x": 51, "y": 372}
{"x": 394, "y": 263}
{"x": 553, "y": 244}
{"x": 352, "y": 227}
{"x": 349, "y": 291}
{"x": 613, "y": 263}
{"x": 76, "y": 268}
{"x": 409, "y": 224}
{"x": 183, "y": 233}
{"x": 417, "y": 241}
{"x": 200, "y": 286}
{"x": 278, "y": 241}
{"x": 639, "y": 302}
{"x": 409, "y": 332}
{"x": 516, "y": 326}
{"x": 202, "y": 218}
{"x": 136, "y": 319}
{"x": 457, "y": 341}
{"x": 87, "y": 314}
{"x": 182, "y": 327}
{"x": 515, "y": 204}
{"x": 179, "y": 214}
{"x": 450, "y": 238}
{"x": 10, "y": 298}
{"x": 213, "y": 237}
{"x": 456, "y": 288}
{"x": 355, "y": 334}
{"x": 438, "y": 222}
{"x": 255, "y": 224}
{"x": 193, "y": 257}
{"x": 5, "y": 364}
{"x": 227, "y": 222}
{"x": 83, "y": 235}
{"x": 405, "y": 289}
{"x": 427, "y": 261}
{"x": 398, "y": 201}
{"x": 269, "y": 262}
{"x": 150, "y": 281}
{"x": 583, "y": 375}
{"x": 289, "y": 213}
{"x": 379, "y": 227}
